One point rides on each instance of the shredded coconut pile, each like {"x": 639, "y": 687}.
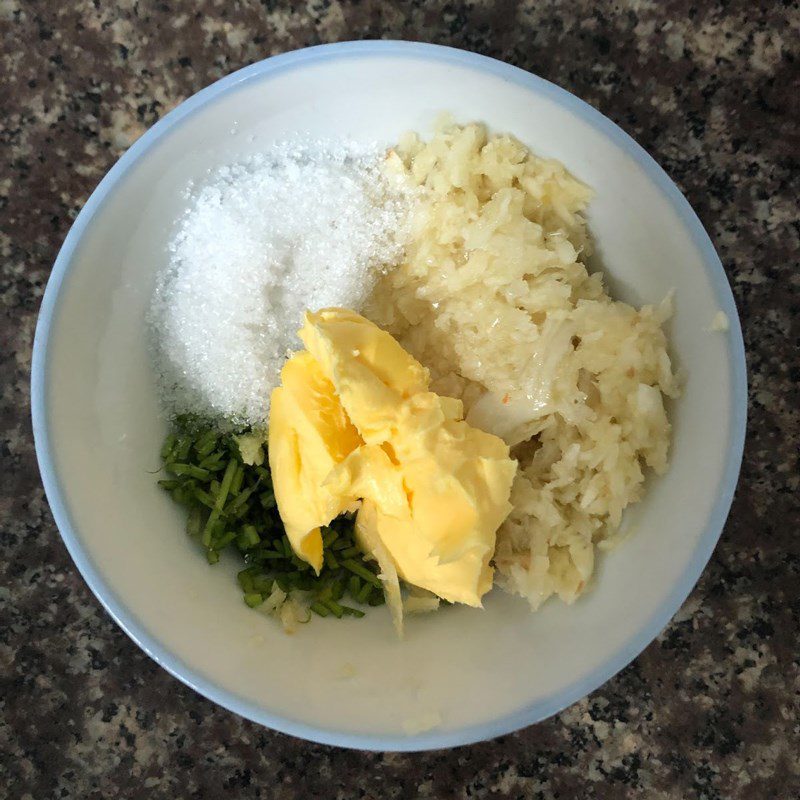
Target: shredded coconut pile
{"x": 302, "y": 225}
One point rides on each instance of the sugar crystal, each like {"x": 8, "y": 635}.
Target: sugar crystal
{"x": 303, "y": 225}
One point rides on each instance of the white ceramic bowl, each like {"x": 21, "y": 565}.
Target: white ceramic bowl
{"x": 97, "y": 427}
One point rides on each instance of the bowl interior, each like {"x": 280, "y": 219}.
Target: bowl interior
{"x": 352, "y": 682}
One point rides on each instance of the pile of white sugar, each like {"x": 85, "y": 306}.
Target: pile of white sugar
{"x": 303, "y": 225}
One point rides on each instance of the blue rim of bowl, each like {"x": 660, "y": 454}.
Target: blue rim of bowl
{"x": 160, "y": 652}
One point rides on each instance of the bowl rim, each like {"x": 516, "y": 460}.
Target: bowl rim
{"x": 160, "y": 652}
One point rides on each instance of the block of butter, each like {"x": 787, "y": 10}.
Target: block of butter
{"x": 354, "y": 427}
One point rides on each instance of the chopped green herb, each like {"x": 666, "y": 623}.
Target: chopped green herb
{"x": 224, "y": 540}
{"x": 335, "y": 608}
{"x": 189, "y": 469}
{"x": 213, "y": 462}
{"x": 205, "y": 443}
{"x": 231, "y": 504}
{"x": 236, "y": 483}
{"x": 364, "y": 593}
{"x": 320, "y": 608}
{"x": 361, "y": 571}
{"x": 330, "y": 560}
{"x": 166, "y": 448}
{"x": 377, "y": 599}
{"x": 245, "y": 578}
{"x": 204, "y": 497}
{"x": 337, "y": 589}
{"x": 253, "y": 599}
{"x": 248, "y": 538}
{"x": 329, "y": 536}
{"x": 183, "y": 445}
{"x": 263, "y": 584}
{"x": 240, "y": 499}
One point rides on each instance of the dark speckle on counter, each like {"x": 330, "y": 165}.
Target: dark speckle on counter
{"x": 710, "y": 710}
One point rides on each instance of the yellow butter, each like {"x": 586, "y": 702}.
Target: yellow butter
{"x": 309, "y": 434}
{"x": 430, "y": 489}
{"x": 372, "y": 373}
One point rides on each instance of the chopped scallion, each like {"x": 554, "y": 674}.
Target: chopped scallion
{"x": 361, "y": 571}
{"x": 231, "y": 502}
{"x": 166, "y": 448}
{"x": 246, "y": 578}
{"x": 263, "y": 584}
{"x": 320, "y": 609}
{"x": 189, "y": 469}
{"x": 253, "y": 599}
{"x": 330, "y": 560}
{"x": 335, "y": 608}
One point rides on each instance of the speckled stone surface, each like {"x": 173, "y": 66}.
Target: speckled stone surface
{"x": 710, "y": 709}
